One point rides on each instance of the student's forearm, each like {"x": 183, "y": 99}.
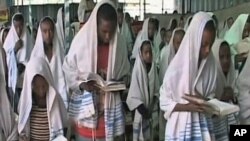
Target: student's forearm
{"x": 180, "y": 108}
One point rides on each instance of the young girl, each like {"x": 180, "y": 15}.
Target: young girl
{"x": 143, "y": 93}
{"x": 42, "y": 114}
{"x": 191, "y": 73}
{"x": 7, "y": 118}
{"x": 225, "y": 87}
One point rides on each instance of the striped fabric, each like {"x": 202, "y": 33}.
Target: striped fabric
{"x": 114, "y": 121}
{"x": 82, "y": 109}
{"x": 39, "y": 125}
{"x": 201, "y": 130}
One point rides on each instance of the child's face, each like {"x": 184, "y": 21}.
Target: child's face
{"x": 40, "y": 86}
{"x": 224, "y": 55}
{"x": 177, "y": 41}
{"x": 147, "y": 53}
{"x": 163, "y": 34}
{"x": 246, "y": 31}
{"x": 168, "y": 36}
{"x": 151, "y": 30}
{"x": 206, "y": 43}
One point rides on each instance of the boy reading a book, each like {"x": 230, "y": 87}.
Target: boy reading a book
{"x": 98, "y": 48}
{"x": 143, "y": 93}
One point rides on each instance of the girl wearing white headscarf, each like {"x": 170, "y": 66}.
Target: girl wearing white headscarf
{"x": 18, "y": 47}
{"x": 43, "y": 103}
{"x": 192, "y": 72}
{"x": 243, "y": 87}
{"x": 224, "y": 88}
{"x": 7, "y": 118}
{"x": 82, "y": 60}
{"x": 237, "y": 32}
{"x": 142, "y": 94}
{"x": 56, "y": 60}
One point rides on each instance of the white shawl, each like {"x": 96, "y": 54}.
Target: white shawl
{"x": 55, "y": 63}
{"x": 184, "y": 77}
{"x": 59, "y": 29}
{"x": 243, "y": 85}
{"x": 167, "y": 55}
{"x": 143, "y": 89}
{"x": 84, "y": 5}
{"x": 224, "y": 29}
{"x": 56, "y": 110}
{"x": 142, "y": 35}
{"x": 222, "y": 81}
{"x": 1, "y": 36}
{"x": 7, "y": 118}
{"x": 82, "y": 60}
{"x": 234, "y": 34}
{"x": 22, "y": 55}
{"x": 126, "y": 33}
{"x": 222, "y": 124}
{"x": 187, "y": 23}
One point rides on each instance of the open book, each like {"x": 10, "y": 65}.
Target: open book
{"x": 107, "y": 86}
{"x": 215, "y": 106}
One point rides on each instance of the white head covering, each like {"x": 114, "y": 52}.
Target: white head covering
{"x": 1, "y": 36}
{"x": 7, "y": 118}
{"x": 224, "y": 29}
{"x": 170, "y": 23}
{"x": 22, "y": 55}
{"x": 84, "y": 6}
{"x": 183, "y": 76}
{"x": 243, "y": 85}
{"x": 222, "y": 80}
{"x": 187, "y": 23}
{"x": 126, "y": 32}
{"x": 55, "y": 63}
{"x": 82, "y": 60}
{"x": 142, "y": 35}
{"x": 57, "y": 114}
{"x": 234, "y": 34}
{"x": 59, "y": 28}
{"x": 167, "y": 55}
{"x": 144, "y": 86}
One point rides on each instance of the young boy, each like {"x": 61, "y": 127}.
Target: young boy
{"x": 143, "y": 93}
{"x": 42, "y": 114}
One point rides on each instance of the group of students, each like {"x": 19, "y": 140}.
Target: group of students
{"x": 160, "y": 68}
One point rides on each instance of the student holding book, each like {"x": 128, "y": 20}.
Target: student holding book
{"x": 98, "y": 48}
{"x": 143, "y": 93}
{"x": 192, "y": 72}
{"x": 225, "y": 87}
